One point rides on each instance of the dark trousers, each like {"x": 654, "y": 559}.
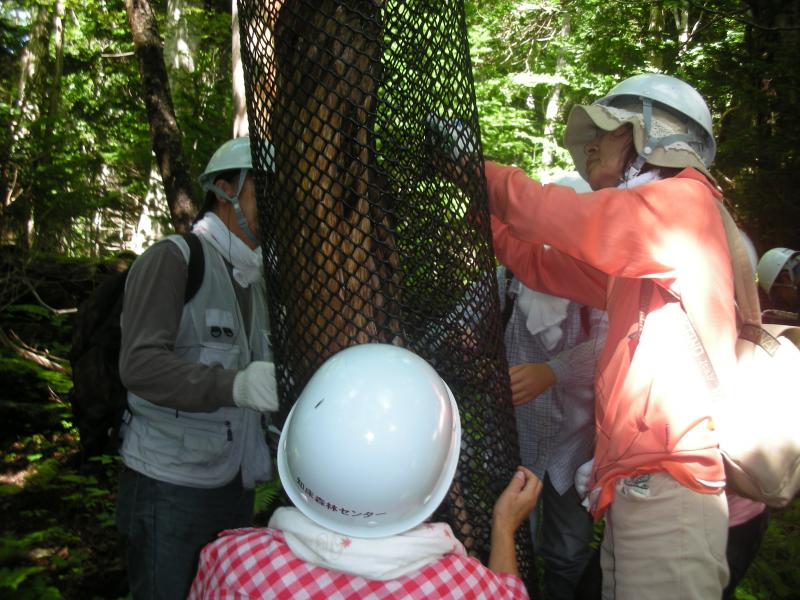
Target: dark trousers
{"x": 167, "y": 525}
{"x": 744, "y": 540}
{"x": 563, "y": 539}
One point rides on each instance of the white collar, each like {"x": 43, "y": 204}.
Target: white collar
{"x": 378, "y": 558}
{"x": 247, "y": 263}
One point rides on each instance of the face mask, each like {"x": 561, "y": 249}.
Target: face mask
{"x": 247, "y": 264}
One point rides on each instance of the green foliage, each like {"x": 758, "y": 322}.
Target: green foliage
{"x": 267, "y": 495}
{"x": 63, "y": 537}
{"x": 88, "y": 163}
{"x": 774, "y": 572}
{"x": 93, "y": 156}
{"x": 526, "y": 52}
{"x": 18, "y": 370}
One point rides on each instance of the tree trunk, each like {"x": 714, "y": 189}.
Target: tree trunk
{"x": 164, "y": 130}
{"x": 240, "y": 125}
{"x": 49, "y": 231}
{"x": 26, "y": 110}
{"x": 328, "y": 60}
{"x": 554, "y": 101}
{"x": 55, "y": 84}
{"x": 266, "y": 89}
{"x": 181, "y": 42}
{"x": 179, "y": 58}
{"x": 684, "y": 26}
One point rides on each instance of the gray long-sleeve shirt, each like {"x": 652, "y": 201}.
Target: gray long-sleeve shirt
{"x": 152, "y": 311}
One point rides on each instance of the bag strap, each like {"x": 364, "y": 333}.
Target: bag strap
{"x": 744, "y": 285}
{"x": 695, "y": 344}
{"x": 744, "y": 281}
{"x": 746, "y": 296}
{"x": 196, "y": 268}
{"x": 645, "y": 294}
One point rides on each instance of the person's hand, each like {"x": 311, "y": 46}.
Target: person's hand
{"x": 582, "y": 478}
{"x": 511, "y": 509}
{"x": 255, "y": 387}
{"x": 450, "y": 137}
{"x": 529, "y": 381}
{"x": 451, "y": 145}
{"x": 516, "y": 502}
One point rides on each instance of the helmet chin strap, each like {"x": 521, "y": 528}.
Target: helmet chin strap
{"x": 651, "y": 143}
{"x": 237, "y": 209}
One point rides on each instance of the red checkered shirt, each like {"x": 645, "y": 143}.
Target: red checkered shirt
{"x": 257, "y": 563}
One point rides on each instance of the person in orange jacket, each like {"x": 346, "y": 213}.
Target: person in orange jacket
{"x": 648, "y": 246}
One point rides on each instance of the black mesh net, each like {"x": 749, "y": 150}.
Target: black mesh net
{"x": 364, "y": 239}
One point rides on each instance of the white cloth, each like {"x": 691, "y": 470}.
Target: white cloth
{"x": 543, "y": 313}
{"x": 247, "y": 263}
{"x": 640, "y": 179}
{"x": 379, "y": 558}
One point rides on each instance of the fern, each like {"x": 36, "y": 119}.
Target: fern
{"x": 266, "y": 494}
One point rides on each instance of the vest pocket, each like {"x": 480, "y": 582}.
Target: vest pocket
{"x": 172, "y": 443}
{"x": 225, "y": 355}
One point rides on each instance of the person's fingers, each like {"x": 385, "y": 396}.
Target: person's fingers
{"x": 518, "y": 399}
{"x": 519, "y": 479}
{"x": 521, "y": 391}
{"x": 533, "y": 485}
{"x": 516, "y": 374}
{"x": 529, "y": 493}
{"x": 515, "y": 485}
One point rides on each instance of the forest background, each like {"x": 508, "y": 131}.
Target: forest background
{"x": 109, "y": 110}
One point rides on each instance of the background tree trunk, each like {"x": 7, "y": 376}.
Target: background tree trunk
{"x": 240, "y": 125}
{"x": 164, "y": 130}
{"x": 49, "y": 231}
{"x": 553, "y": 107}
{"x": 16, "y": 219}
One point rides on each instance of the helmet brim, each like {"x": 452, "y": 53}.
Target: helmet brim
{"x": 585, "y": 120}
{"x": 377, "y": 528}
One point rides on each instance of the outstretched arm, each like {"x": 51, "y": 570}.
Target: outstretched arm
{"x": 511, "y": 509}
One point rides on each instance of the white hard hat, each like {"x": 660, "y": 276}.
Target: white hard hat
{"x": 233, "y": 155}
{"x": 372, "y": 443}
{"x": 771, "y": 264}
{"x": 671, "y": 122}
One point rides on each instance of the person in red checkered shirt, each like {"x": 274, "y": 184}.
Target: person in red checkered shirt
{"x": 366, "y": 455}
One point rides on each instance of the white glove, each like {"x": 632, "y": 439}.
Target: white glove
{"x": 582, "y": 477}
{"x": 451, "y": 137}
{"x": 255, "y": 387}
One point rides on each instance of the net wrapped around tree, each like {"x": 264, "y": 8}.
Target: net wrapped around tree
{"x": 364, "y": 239}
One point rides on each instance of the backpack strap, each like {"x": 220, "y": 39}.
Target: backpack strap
{"x": 196, "y": 268}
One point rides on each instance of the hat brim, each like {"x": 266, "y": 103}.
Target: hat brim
{"x": 584, "y": 121}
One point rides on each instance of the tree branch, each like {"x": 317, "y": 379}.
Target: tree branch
{"x": 36, "y": 357}
{"x": 58, "y": 311}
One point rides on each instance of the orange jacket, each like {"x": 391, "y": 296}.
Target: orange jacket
{"x": 653, "y": 407}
